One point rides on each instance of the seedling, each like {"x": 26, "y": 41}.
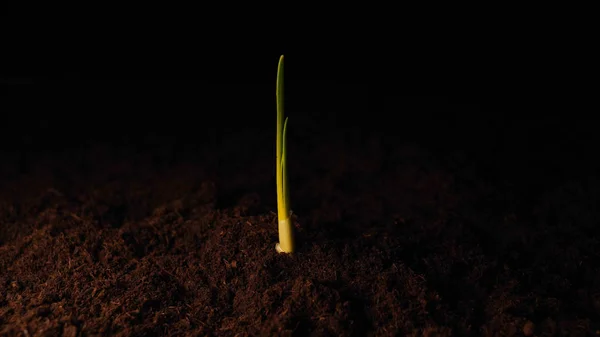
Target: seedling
{"x": 286, "y": 235}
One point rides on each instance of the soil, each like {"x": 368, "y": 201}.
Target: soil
{"x": 154, "y": 237}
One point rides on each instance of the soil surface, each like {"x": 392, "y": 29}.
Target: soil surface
{"x": 152, "y": 237}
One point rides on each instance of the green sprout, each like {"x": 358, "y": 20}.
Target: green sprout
{"x": 286, "y": 235}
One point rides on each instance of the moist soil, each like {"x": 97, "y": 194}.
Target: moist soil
{"x": 153, "y": 237}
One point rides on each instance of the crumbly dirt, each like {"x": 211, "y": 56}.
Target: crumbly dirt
{"x": 395, "y": 239}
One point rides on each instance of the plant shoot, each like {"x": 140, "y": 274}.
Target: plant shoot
{"x": 286, "y": 235}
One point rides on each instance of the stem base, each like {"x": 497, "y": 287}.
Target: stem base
{"x": 286, "y": 236}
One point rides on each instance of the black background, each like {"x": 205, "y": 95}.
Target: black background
{"x": 505, "y": 98}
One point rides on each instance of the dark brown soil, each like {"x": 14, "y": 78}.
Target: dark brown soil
{"x": 395, "y": 239}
